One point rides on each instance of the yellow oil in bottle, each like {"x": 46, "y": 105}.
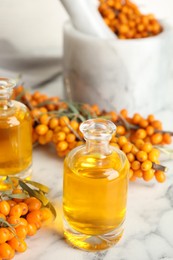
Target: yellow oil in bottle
{"x": 15, "y": 142}
{"x": 95, "y": 195}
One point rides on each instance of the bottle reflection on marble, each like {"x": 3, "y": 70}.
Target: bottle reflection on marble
{"x": 95, "y": 189}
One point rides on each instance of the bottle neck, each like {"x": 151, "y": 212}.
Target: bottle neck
{"x": 98, "y": 146}
{"x": 5, "y": 100}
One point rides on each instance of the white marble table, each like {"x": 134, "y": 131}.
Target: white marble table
{"x": 149, "y": 225}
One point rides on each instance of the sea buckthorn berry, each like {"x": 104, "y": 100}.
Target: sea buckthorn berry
{"x": 136, "y": 165}
{"x": 32, "y": 229}
{"x": 130, "y": 173}
{"x": 124, "y": 113}
{"x": 140, "y": 134}
{"x": 139, "y": 143}
{"x": 18, "y": 245}
{"x": 16, "y": 211}
{"x": 70, "y": 138}
{"x": 14, "y": 220}
{"x": 53, "y": 123}
{"x": 156, "y": 138}
{"x": 24, "y": 208}
{"x": 121, "y": 130}
{"x": 122, "y": 140}
{"x": 48, "y": 136}
{"x": 2, "y": 216}
{"x": 23, "y": 222}
{"x": 150, "y": 118}
{"x": 64, "y": 120}
{"x": 160, "y": 176}
{"x": 21, "y": 231}
{"x": 143, "y": 123}
{"x": 60, "y": 136}
{"x": 150, "y": 130}
{"x": 11, "y": 234}
{"x": 153, "y": 155}
{"x": 41, "y": 129}
{"x": 133, "y": 178}
{"x": 127, "y": 147}
{"x": 17, "y": 191}
{"x": 4, "y": 207}
{"x": 167, "y": 138}
{"x": 45, "y": 214}
{"x": 138, "y": 173}
{"x": 148, "y": 175}
{"x": 66, "y": 129}
{"x": 72, "y": 145}
{"x": 136, "y": 118}
{"x": 141, "y": 156}
{"x": 134, "y": 150}
{"x": 6, "y": 251}
{"x": 146, "y": 165}
{"x": 130, "y": 157}
{"x": 34, "y": 217}
{"x": 44, "y": 119}
{"x": 43, "y": 110}
{"x": 74, "y": 124}
{"x": 157, "y": 124}
{"x": 34, "y": 205}
{"x": 62, "y": 146}
{"x": 29, "y": 200}
{"x": 4, "y": 235}
{"x": 147, "y": 147}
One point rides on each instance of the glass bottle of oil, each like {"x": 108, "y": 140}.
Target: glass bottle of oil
{"x": 95, "y": 189}
{"x": 15, "y": 135}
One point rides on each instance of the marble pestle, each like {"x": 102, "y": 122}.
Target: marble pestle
{"x": 86, "y": 18}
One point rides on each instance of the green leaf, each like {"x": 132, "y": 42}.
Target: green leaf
{"x": 52, "y": 209}
{"x": 39, "y": 195}
{"x": 38, "y": 185}
{"x": 18, "y": 196}
{"x": 26, "y": 188}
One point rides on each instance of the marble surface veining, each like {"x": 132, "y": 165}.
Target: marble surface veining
{"x": 148, "y": 231}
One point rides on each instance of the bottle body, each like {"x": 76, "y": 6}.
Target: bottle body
{"x": 15, "y": 141}
{"x": 95, "y": 195}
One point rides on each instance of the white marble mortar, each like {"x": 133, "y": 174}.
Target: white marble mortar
{"x": 130, "y": 74}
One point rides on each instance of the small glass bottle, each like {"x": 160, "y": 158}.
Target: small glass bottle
{"x": 95, "y": 189}
{"x": 15, "y": 135}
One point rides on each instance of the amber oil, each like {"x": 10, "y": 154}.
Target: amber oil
{"x": 95, "y": 189}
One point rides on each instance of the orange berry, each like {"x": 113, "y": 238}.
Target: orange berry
{"x": 34, "y": 217}
{"x": 140, "y": 134}
{"x": 134, "y": 150}
{"x": 6, "y": 251}
{"x": 4, "y": 207}
{"x": 53, "y": 123}
{"x": 167, "y": 138}
{"x": 150, "y": 130}
{"x": 60, "y": 136}
{"x": 121, "y": 130}
{"x": 156, "y": 138}
{"x": 130, "y": 173}
{"x": 153, "y": 155}
{"x": 136, "y": 118}
{"x": 130, "y": 157}
{"x": 146, "y": 165}
{"x": 17, "y": 191}
{"x": 4, "y": 235}
{"x": 112, "y": 144}
{"x": 139, "y": 143}
{"x": 62, "y": 146}
{"x": 29, "y": 200}
{"x": 160, "y": 176}
{"x": 66, "y": 129}
{"x": 32, "y": 229}
{"x": 11, "y": 234}
{"x": 74, "y": 124}
{"x": 133, "y": 178}
{"x": 147, "y": 147}
{"x": 150, "y": 118}
{"x": 21, "y": 231}
{"x": 23, "y": 222}
{"x": 44, "y": 119}
{"x": 135, "y": 165}
{"x": 41, "y": 129}
{"x": 148, "y": 175}
{"x": 34, "y": 205}
{"x": 64, "y": 121}
{"x": 48, "y": 136}
{"x": 14, "y": 220}
{"x": 2, "y": 216}
{"x": 122, "y": 140}
{"x": 157, "y": 124}
{"x": 18, "y": 245}
{"x": 124, "y": 113}
{"x": 138, "y": 173}
{"x": 127, "y": 147}
{"x": 45, "y": 214}
{"x": 24, "y": 208}
{"x": 16, "y": 211}
{"x": 141, "y": 156}
{"x": 70, "y": 138}
{"x": 43, "y": 110}
{"x": 143, "y": 123}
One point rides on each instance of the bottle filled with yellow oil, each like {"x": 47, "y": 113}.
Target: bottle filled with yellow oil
{"x": 95, "y": 189}
{"x": 15, "y": 135}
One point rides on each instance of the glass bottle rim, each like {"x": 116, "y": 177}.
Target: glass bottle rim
{"x": 6, "y": 85}
{"x": 98, "y": 129}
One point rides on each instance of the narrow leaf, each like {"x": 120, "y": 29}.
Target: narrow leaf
{"x": 52, "y": 209}
{"x": 38, "y": 185}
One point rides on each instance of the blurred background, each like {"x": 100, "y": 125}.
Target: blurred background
{"x": 35, "y": 26}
